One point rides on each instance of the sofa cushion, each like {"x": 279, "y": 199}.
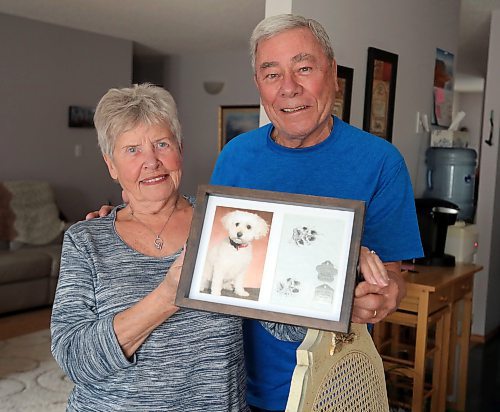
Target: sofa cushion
{"x": 23, "y": 265}
{"x": 29, "y": 213}
{"x": 24, "y": 295}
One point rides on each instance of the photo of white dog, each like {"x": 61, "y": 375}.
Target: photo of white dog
{"x": 227, "y": 262}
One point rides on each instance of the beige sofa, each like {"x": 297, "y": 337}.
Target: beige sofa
{"x": 30, "y": 243}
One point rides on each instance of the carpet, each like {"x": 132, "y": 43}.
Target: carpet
{"x": 30, "y": 379}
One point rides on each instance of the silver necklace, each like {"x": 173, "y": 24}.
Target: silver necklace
{"x": 158, "y": 240}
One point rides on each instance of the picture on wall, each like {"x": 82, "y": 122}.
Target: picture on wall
{"x": 443, "y": 88}
{"x": 380, "y": 92}
{"x": 273, "y": 256}
{"x": 79, "y": 116}
{"x": 235, "y": 120}
{"x": 342, "y": 105}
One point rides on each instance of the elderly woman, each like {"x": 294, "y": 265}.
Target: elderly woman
{"x": 115, "y": 329}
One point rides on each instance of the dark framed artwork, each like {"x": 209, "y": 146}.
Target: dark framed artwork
{"x": 443, "y": 88}
{"x": 380, "y": 92}
{"x": 273, "y": 256}
{"x": 342, "y": 106}
{"x": 234, "y": 120}
{"x": 79, "y": 116}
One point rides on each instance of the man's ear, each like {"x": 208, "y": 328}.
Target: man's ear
{"x": 111, "y": 167}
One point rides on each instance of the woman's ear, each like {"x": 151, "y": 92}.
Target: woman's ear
{"x": 111, "y": 167}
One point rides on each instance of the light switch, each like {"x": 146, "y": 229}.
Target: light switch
{"x": 78, "y": 150}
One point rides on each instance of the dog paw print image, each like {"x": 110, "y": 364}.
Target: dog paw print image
{"x": 326, "y": 271}
{"x": 288, "y": 287}
{"x": 303, "y": 236}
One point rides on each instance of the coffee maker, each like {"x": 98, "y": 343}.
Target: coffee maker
{"x": 434, "y": 217}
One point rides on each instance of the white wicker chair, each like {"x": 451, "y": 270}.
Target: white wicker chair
{"x": 338, "y": 372}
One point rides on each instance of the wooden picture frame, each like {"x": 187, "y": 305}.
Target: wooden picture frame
{"x": 234, "y": 120}
{"x": 79, "y": 116}
{"x": 380, "y": 92}
{"x": 342, "y": 106}
{"x": 302, "y": 270}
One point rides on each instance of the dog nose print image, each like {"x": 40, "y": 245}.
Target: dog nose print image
{"x": 236, "y": 253}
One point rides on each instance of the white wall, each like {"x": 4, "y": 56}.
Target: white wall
{"x": 199, "y": 111}
{"x": 486, "y": 309}
{"x": 472, "y": 104}
{"x": 412, "y": 30}
{"x": 43, "y": 70}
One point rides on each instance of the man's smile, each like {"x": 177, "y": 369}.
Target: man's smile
{"x": 293, "y": 109}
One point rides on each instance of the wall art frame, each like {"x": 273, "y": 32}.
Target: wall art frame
{"x": 234, "y": 120}
{"x": 303, "y": 271}
{"x": 80, "y": 116}
{"x": 342, "y": 106}
{"x": 380, "y": 92}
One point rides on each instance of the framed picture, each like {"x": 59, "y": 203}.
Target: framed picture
{"x": 79, "y": 116}
{"x": 380, "y": 92}
{"x": 342, "y": 107}
{"x": 273, "y": 256}
{"x": 443, "y": 88}
{"x": 234, "y": 120}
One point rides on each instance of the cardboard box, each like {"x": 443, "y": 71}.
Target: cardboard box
{"x": 449, "y": 138}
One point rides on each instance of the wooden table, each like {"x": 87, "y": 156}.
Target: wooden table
{"x": 439, "y": 297}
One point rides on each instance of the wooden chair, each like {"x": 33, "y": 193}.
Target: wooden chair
{"x": 338, "y": 372}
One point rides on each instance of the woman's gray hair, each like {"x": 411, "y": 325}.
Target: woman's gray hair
{"x": 120, "y": 110}
{"x": 271, "y": 26}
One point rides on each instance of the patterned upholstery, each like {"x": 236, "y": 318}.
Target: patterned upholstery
{"x": 338, "y": 372}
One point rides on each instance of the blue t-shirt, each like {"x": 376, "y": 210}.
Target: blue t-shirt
{"x": 349, "y": 164}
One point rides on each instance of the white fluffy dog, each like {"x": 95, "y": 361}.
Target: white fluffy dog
{"x": 228, "y": 261}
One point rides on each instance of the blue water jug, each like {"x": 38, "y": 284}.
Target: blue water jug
{"x": 451, "y": 176}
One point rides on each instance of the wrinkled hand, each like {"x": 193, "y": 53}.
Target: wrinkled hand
{"x": 372, "y": 301}
{"x": 372, "y": 268}
{"x": 105, "y": 209}
{"x": 171, "y": 280}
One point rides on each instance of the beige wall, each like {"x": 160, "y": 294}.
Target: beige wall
{"x": 43, "y": 70}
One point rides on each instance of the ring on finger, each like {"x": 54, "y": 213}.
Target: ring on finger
{"x": 373, "y": 252}
{"x": 374, "y": 313}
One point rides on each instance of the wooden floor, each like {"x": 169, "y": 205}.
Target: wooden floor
{"x": 21, "y": 323}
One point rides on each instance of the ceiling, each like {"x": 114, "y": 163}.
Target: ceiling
{"x": 180, "y": 26}
{"x": 156, "y": 26}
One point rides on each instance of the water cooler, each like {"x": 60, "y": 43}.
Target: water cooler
{"x": 446, "y": 236}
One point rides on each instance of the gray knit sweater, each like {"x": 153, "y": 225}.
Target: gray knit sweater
{"x": 192, "y": 362}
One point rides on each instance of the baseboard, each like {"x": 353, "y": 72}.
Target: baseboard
{"x": 481, "y": 339}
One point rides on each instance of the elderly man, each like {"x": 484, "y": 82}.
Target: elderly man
{"x": 306, "y": 150}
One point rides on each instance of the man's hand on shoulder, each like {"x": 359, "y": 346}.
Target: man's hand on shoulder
{"x": 103, "y": 211}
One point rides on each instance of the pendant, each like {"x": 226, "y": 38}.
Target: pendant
{"x": 158, "y": 243}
